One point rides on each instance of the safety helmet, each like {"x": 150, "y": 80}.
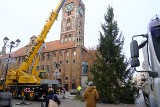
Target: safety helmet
{"x": 90, "y": 83}
{"x": 50, "y": 89}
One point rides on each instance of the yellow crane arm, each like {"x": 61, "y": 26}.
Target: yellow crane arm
{"x": 38, "y": 43}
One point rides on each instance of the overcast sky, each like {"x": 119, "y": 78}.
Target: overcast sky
{"x": 24, "y": 18}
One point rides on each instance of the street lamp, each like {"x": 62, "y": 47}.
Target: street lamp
{"x": 5, "y": 40}
{"x": 11, "y": 45}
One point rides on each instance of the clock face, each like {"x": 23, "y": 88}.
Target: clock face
{"x": 81, "y": 10}
{"x": 69, "y": 7}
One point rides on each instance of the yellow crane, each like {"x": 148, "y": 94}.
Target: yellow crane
{"x": 18, "y": 79}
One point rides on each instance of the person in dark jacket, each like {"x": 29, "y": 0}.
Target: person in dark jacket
{"x": 49, "y": 96}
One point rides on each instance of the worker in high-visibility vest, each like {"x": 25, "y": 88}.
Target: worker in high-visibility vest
{"x": 79, "y": 89}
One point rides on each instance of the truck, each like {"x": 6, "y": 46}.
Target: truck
{"x": 21, "y": 83}
{"x": 151, "y": 52}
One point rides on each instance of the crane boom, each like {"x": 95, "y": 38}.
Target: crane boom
{"x": 18, "y": 80}
{"x": 40, "y": 40}
{"x": 20, "y": 74}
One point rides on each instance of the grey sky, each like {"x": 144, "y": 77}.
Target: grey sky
{"x": 24, "y": 18}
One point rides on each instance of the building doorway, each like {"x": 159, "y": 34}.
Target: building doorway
{"x": 73, "y": 86}
{"x": 66, "y": 87}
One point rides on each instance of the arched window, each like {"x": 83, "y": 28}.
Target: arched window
{"x": 68, "y": 24}
{"x": 60, "y": 54}
{"x": 67, "y": 53}
{"x": 74, "y": 53}
{"x": 73, "y": 38}
{"x": 61, "y": 40}
{"x": 69, "y": 37}
{"x": 43, "y": 57}
{"x": 65, "y": 38}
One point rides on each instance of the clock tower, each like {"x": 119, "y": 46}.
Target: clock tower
{"x": 72, "y": 23}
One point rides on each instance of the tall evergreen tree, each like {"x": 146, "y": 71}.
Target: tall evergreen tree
{"x": 111, "y": 75}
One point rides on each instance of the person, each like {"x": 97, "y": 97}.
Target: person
{"x": 91, "y": 95}
{"x": 51, "y": 95}
{"x": 63, "y": 93}
{"x": 79, "y": 89}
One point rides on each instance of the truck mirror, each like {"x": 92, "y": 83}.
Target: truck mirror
{"x": 134, "y": 49}
{"x": 142, "y": 44}
{"x": 135, "y": 62}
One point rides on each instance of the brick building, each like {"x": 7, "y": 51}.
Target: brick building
{"x": 69, "y": 51}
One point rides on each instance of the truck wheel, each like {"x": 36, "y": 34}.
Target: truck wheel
{"x": 31, "y": 95}
{"x": 22, "y": 94}
{"x": 14, "y": 93}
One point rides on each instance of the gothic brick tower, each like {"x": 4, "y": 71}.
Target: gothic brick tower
{"x": 72, "y": 24}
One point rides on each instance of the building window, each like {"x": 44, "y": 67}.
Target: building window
{"x": 74, "y": 53}
{"x": 42, "y": 67}
{"x": 19, "y": 60}
{"x": 32, "y": 41}
{"x": 68, "y": 24}
{"x": 68, "y": 20}
{"x": 54, "y": 54}
{"x": 61, "y": 40}
{"x": 48, "y": 68}
{"x": 60, "y": 62}
{"x": 48, "y": 56}
{"x": 63, "y": 26}
{"x": 73, "y": 21}
{"x": 59, "y": 70}
{"x": 73, "y": 86}
{"x": 73, "y": 38}
{"x": 69, "y": 37}
{"x": 67, "y": 61}
{"x": 60, "y": 54}
{"x": 67, "y": 53}
{"x": 37, "y": 68}
{"x": 66, "y": 78}
{"x": 79, "y": 23}
{"x": 74, "y": 61}
{"x": 65, "y": 38}
{"x": 31, "y": 68}
{"x": 68, "y": 27}
{"x": 43, "y": 57}
{"x": 69, "y": 13}
{"x": 23, "y": 58}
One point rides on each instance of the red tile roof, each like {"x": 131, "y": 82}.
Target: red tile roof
{"x": 56, "y": 45}
{"x": 50, "y": 46}
{"x": 20, "y": 52}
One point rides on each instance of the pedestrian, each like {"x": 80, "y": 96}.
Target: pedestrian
{"x": 79, "y": 89}
{"x": 51, "y": 99}
{"x": 91, "y": 95}
{"x": 63, "y": 93}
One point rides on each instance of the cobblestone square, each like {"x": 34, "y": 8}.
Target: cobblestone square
{"x": 71, "y": 102}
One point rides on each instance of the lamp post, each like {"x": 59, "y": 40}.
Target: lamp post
{"x": 12, "y": 44}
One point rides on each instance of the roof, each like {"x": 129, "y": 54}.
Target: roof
{"x": 49, "y": 46}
